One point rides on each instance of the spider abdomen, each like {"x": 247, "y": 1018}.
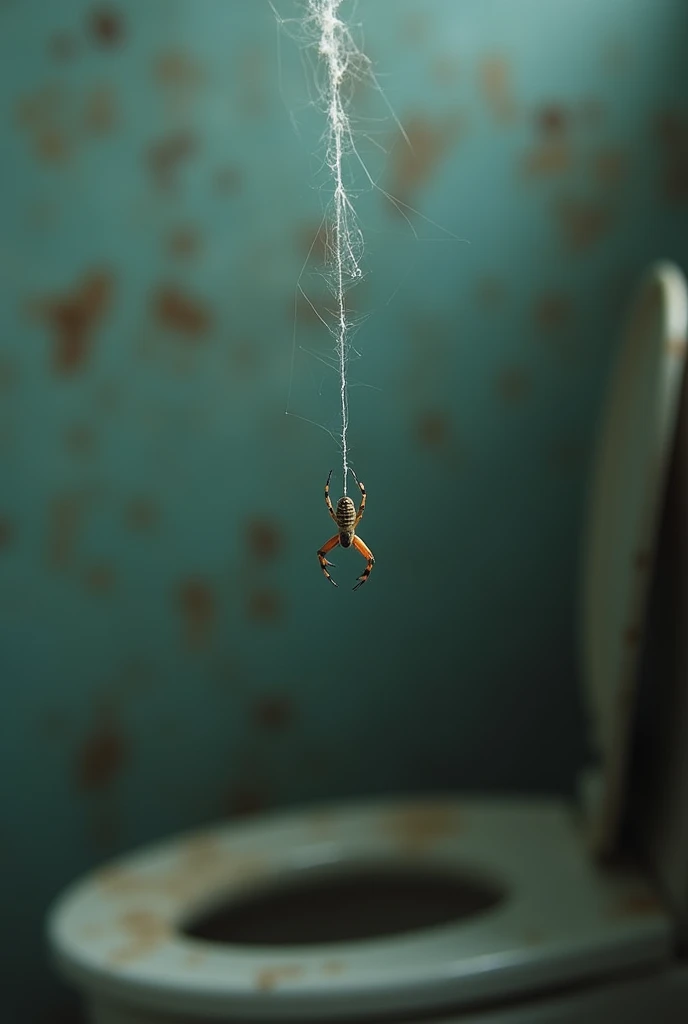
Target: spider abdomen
{"x": 346, "y": 514}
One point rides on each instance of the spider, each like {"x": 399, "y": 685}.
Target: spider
{"x": 347, "y": 519}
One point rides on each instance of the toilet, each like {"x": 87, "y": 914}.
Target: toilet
{"x": 471, "y": 909}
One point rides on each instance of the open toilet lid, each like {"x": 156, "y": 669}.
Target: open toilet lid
{"x": 628, "y": 484}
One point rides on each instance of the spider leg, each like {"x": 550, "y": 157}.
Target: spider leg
{"x": 364, "y": 550}
{"x": 332, "y": 543}
{"x": 327, "y": 498}
{"x": 361, "y": 507}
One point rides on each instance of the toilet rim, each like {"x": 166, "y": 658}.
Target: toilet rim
{"x": 117, "y": 932}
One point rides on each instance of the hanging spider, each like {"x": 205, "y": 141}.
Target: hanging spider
{"x": 347, "y": 519}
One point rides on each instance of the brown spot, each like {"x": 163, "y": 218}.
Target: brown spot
{"x": 553, "y": 311}
{"x": 432, "y": 429}
{"x": 62, "y": 46}
{"x": 312, "y": 241}
{"x": 445, "y": 69}
{"x": 43, "y": 115}
{"x": 513, "y": 385}
{"x": 100, "y": 111}
{"x": 490, "y": 292}
{"x": 246, "y": 799}
{"x": 551, "y": 156}
{"x": 333, "y": 967}
{"x": 269, "y": 977}
{"x": 228, "y": 181}
{"x": 274, "y": 712}
{"x": 631, "y": 636}
{"x": 583, "y": 222}
{"x": 66, "y": 518}
{"x": 73, "y": 319}
{"x": 100, "y": 578}
{"x": 179, "y": 312}
{"x": 672, "y": 132}
{"x": 197, "y": 601}
{"x": 166, "y": 156}
{"x": 265, "y": 606}
{"x": 142, "y": 514}
{"x": 413, "y": 165}
{"x": 80, "y": 439}
{"x": 609, "y": 166}
{"x": 101, "y": 756}
{"x": 184, "y": 242}
{"x": 106, "y": 26}
{"x": 145, "y": 931}
{"x": 264, "y": 539}
{"x": 6, "y": 532}
{"x": 552, "y": 120}
{"x": 637, "y": 905}
{"x": 642, "y": 561}
{"x": 176, "y": 69}
{"x": 416, "y": 827}
{"x": 494, "y": 77}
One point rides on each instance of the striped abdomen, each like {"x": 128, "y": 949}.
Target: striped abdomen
{"x": 346, "y": 517}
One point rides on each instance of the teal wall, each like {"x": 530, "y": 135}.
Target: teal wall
{"x": 170, "y": 652}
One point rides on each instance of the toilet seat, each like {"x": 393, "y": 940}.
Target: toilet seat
{"x": 562, "y": 919}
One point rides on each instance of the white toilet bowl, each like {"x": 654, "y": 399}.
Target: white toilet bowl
{"x": 493, "y": 911}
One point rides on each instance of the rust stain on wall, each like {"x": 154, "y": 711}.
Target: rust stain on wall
{"x": 430, "y": 142}
{"x": 273, "y": 711}
{"x": 610, "y": 166}
{"x": 197, "y": 602}
{"x": 6, "y": 532}
{"x": 551, "y": 156}
{"x": 265, "y": 606}
{"x": 74, "y": 319}
{"x": 246, "y": 799}
{"x": 62, "y": 46}
{"x": 265, "y": 540}
{"x": 106, "y": 26}
{"x": 671, "y": 128}
{"x": 553, "y": 310}
{"x": 43, "y": 115}
{"x": 490, "y": 292}
{"x": 66, "y": 515}
{"x": 432, "y": 429}
{"x": 513, "y": 385}
{"x": 142, "y": 514}
{"x": 102, "y": 755}
{"x": 100, "y": 578}
{"x": 100, "y": 110}
{"x": 494, "y": 80}
{"x": 165, "y": 157}
{"x": 228, "y": 181}
{"x": 175, "y": 69}
{"x": 583, "y": 222}
{"x": 177, "y": 311}
{"x": 184, "y": 241}
{"x": 552, "y": 119}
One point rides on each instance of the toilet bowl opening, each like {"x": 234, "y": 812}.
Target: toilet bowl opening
{"x": 343, "y": 904}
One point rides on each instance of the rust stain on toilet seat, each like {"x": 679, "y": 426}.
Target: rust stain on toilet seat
{"x": 269, "y": 977}
{"x": 416, "y": 827}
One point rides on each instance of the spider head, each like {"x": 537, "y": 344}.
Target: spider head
{"x": 345, "y": 538}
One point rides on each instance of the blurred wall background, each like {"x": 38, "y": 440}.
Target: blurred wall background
{"x": 170, "y": 652}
